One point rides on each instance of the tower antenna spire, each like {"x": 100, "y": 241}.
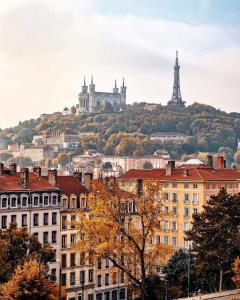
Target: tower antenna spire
{"x": 84, "y": 81}
{"x": 92, "y": 79}
{"x": 115, "y": 83}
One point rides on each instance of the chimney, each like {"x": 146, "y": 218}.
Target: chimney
{"x": 1, "y": 169}
{"x": 78, "y": 175}
{"x": 224, "y": 164}
{"x": 139, "y": 187}
{"x": 87, "y": 180}
{"x": 185, "y": 172}
{"x": 52, "y": 177}
{"x": 210, "y": 161}
{"x": 37, "y": 171}
{"x": 169, "y": 167}
{"x": 24, "y": 177}
{"x": 13, "y": 168}
{"x": 220, "y": 162}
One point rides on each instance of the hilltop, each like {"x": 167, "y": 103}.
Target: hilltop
{"x": 127, "y": 133}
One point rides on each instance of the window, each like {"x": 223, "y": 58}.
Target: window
{"x": 186, "y": 244}
{"x": 122, "y": 294}
{"x": 174, "y": 185}
{"x": 195, "y": 185}
{"x": 166, "y": 197}
{"x": 73, "y": 203}
{"x": 64, "y": 260}
{"x": 82, "y": 276}
{"x": 35, "y": 220}
{"x": 107, "y": 279}
{"x": 53, "y": 274}
{"x": 165, "y": 184}
{"x": 195, "y": 211}
{"x": 90, "y": 296}
{"x": 73, "y": 220}
{"x": 54, "y": 218}
{"x": 99, "y": 296}
{"x": 174, "y": 242}
{"x": 4, "y": 202}
{"x": 186, "y": 226}
{"x": 174, "y": 197}
{"x": 158, "y": 239}
{"x": 24, "y": 220}
{"x": 90, "y": 275}
{"x": 73, "y": 238}
{"x": 186, "y": 198}
{"x": 72, "y": 259}
{"x": 35, "y": 235}
{"x": 122, "y": 277}
{"x": 174, "y": 210}
{"x": 195, "y": 199}
{"x": 174, "y": 226}
{"x": 45, "y": 219}
{"x": 166, "y": 209}
{"x": 165, "y": 225}
{"x": 186, "y": 212}
{"x": 14, "y": 202}
{"x": 114, "y": 295}
{"x": 107, "y": 263}
{"x": 45, "y": 200}
{"x": 54, "y": 200}
{"x": 64, "y": 241}
{"x": 64, "y": 279}
{"x": 107, "y": 296}
{"x": 65, "y": 203}
{"x": 82, "y": 258}
{"x": 45, "y": 237}
{"x": 35, "y": 200}
{"x": 99, "y": 263}
{"x": 13, "y": 219}
{"x": 99, "y": 281}
{"x": 114, "y": 277}
{"x": 186, "y": 185}
{"x": 54, "y": 237}
{"x": 4, "y": 222}
{"x": 64, "y": 222}
{"x": 24, "y": 201}
{"x": 166, "y": 240}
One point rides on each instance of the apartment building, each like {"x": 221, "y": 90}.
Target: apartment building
{"x": 33, "y": 202}
{"x": 185, "y": 190}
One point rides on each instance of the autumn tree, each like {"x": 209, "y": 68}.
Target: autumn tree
{"x": 17, "y": 246}
{"x": 30, "y": 281}
{"x": 121, "y": 227}
{"x": 215, "y": 239}
{"x": 236, "y": 270}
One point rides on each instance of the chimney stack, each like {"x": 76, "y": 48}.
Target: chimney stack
{"x": 87, "y": 180}
{"x": 24, "y": 177}
{"x": 13, "y": 168}
{"x": 220, "y": 162}
{"x": 52, "y": 177}
{"x": 224, "y": 164}
{"x": 1, "y": 168}
{"x": 37, "y": 170}
{"x": 139, "y": 187}
{"x": 210, "y": 161}
{"x": 169, "y": 167}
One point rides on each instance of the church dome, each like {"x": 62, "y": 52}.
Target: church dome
{"x": 194, "y": 161}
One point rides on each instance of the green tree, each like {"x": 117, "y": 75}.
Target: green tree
{"x": 63, "y": 159}
{"x": 17, "y": 246}
{"x": 5, "y": 156}
{"x": 23, "y": 162}
{"x": 215, "y": 239}
{"x": 147, "y": 165}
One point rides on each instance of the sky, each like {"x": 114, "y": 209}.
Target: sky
{"x": 48, "y": 46}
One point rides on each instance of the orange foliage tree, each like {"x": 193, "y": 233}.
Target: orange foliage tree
{"x": 236, "y": 270}
{"x": 109, "y": 230}
{"x": 29, "y": 282}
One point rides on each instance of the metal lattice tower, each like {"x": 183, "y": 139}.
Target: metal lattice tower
{"x": 176, "y": 95}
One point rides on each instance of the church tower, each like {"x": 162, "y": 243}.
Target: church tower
{"x": 92, "y": 87}
{"x": 115, "y": 89}
{"x": 84, "y": 87}
{"x": 176, "y": 99}
{"x": 123, "y": 93}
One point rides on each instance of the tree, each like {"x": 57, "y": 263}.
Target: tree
{"x": 23, "y": 162}
{"x": 147, "y": 165}
{"x": 5, "y": 156}
{"x": 124, "y": 237}
{"x": 29, "y": 282}
{"x": 215, "y": 239}
{"x": 17, "y": 246}
{"x": 63, "y": 159}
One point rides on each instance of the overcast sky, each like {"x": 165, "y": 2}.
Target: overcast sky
{"x": 48, "y": 46}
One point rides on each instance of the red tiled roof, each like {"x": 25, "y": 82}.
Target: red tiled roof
{"x": 70, "y": 185}
{"x": 12, "y": 183}
{"x": 197, "y": 174}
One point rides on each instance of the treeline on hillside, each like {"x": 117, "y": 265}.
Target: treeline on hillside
{"x": 127, "y": 133}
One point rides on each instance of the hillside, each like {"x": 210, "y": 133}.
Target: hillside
{"x": 209, "y": 129}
